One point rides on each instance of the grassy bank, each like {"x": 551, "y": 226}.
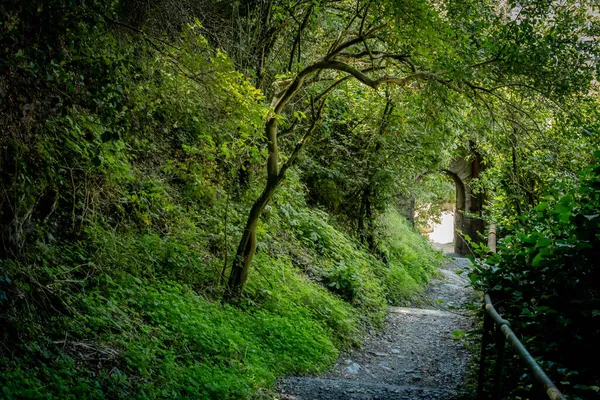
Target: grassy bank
{"x": 147, "y": 322}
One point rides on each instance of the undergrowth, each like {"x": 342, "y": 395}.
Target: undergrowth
{"x": 127, "y": 186}
{"x": 130, "y": 315}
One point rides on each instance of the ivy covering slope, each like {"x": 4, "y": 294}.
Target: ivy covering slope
{"x": 127, "y": 173}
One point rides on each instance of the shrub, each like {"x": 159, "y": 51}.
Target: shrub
{"x": 545, "y": 277}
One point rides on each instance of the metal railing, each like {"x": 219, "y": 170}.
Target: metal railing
{"x": 494, "y": 324}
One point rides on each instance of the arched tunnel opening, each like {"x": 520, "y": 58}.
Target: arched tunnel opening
{"x": 460, "y": 246}
{"x": 434, "y": 208}
{"x": 463, "y": 218}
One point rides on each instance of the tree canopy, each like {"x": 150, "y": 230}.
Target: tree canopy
{"x": 247, "y": 157}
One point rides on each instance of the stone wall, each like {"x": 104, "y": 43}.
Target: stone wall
{"x": 467, "y": 214}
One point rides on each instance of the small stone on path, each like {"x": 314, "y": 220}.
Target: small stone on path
{"x": 353, "y": 368}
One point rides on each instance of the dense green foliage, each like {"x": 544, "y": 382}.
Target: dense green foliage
{"x": 134, "y": 140}
{"x": 126, "y": 182}
{"x": 141, "y": 325}
{"x": 138, "y": 317}
{"x": 545, "y": 277}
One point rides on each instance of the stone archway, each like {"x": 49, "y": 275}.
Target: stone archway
{"x": 467, "y": 215}
{"x": 460, "y": 246}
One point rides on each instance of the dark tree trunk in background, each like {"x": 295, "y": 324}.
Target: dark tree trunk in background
{"x": 366, "y": 224}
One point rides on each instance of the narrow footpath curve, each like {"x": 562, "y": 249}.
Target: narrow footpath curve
{"x": 414, "y": 357}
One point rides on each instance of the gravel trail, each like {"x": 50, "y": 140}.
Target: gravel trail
{"x": 414, "y": 357}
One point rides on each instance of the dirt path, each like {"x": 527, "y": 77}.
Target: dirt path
{"x": 414, "y": 357}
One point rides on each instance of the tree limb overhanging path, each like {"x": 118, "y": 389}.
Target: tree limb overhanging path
{"x": 415, "y": 356}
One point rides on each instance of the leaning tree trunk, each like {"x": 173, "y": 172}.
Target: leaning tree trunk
{"x": 366, "y": 224}
{"x": 247, "y": 247}
{"x": 275, "y": 175}
{"x": 370, "y": 224}
{"x": 245, "y": 251}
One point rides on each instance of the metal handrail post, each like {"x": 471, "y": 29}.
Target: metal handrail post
{"x": 488, "y": 325}
{"x": 492, "y": 238}
{"x": 500, "y": 344}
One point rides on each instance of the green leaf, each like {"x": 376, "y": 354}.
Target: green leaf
{"x": 537, "y": 260}
{"x": 585, "y": 387}
{"x": 543, "y": 242}
{"x": 567, "y": 199}
{"x": 457, "y": 334}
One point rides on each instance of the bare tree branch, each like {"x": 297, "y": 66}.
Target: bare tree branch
{"x": 315, "y": 120}
{"x": 296, "y": 44}
{"x": 375, "y": 54}
{"x": 356, "y": 40}
{"x": 505, "y": 101}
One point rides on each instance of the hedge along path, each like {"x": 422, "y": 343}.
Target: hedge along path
{"x": 420, "y": 354}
